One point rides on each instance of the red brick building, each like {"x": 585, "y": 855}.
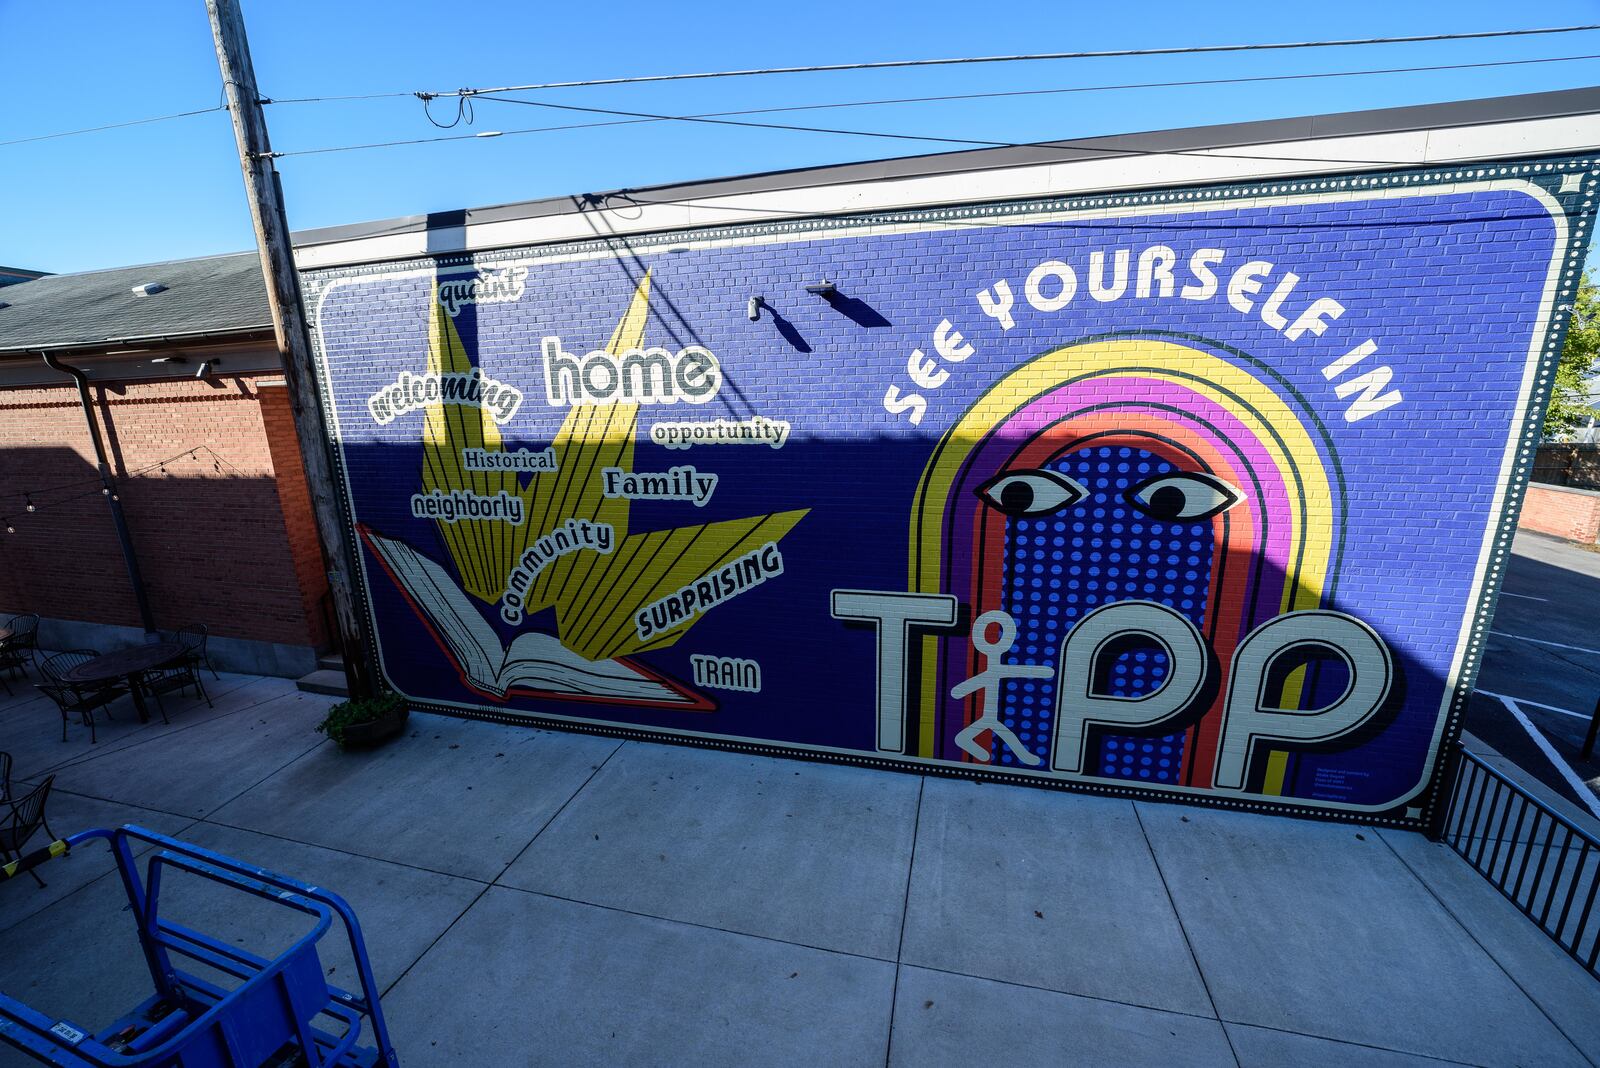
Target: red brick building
{"x": 186, "y": 391}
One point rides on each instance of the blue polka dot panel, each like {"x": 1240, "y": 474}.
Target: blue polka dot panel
{"x": 1105, "y": 549}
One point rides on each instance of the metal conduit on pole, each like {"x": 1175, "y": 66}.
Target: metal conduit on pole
{"x": 108, "y": 487}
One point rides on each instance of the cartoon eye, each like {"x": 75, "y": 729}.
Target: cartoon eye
{"x": 1031, "y": 492}
{"x": 1182, "y": 498}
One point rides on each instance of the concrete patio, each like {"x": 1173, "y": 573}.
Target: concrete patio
{"x": 543, "y": 898}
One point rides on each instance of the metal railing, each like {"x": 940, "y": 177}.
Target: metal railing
{"x": 1544, "y": 864}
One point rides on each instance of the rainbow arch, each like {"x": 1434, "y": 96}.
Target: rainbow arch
{"x": 1196, "y": 408}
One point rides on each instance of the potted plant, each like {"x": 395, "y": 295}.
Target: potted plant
{"x": 366, "y": 721}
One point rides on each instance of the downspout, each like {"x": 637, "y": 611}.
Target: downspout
{"x": 108, "y": 487}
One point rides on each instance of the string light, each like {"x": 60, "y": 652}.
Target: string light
{"x": 217, "y": 464}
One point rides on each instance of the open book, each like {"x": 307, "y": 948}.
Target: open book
{"x": 536, "y": 664}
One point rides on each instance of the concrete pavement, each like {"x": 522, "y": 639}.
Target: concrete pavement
{"x": 542, "y": 898}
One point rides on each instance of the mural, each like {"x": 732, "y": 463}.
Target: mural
{"x": 1200, "y": 493}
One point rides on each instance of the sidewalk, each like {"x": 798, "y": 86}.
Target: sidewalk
{"x": 543, "y": 898}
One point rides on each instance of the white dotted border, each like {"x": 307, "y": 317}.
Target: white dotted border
{"x": 1581, "y": 216}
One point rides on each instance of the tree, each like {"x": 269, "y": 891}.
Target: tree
{"x": 1570, "y": 408}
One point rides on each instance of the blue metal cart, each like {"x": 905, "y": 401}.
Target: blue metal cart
{"x": 281, "y": 1011}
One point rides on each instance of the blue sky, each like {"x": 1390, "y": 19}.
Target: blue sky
{"x": 172, "y": 189}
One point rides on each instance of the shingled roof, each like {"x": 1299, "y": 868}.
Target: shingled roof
{"x": 212, "y": 296}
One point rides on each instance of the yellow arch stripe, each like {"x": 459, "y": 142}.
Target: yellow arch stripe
{"x": 1277, "y": 428}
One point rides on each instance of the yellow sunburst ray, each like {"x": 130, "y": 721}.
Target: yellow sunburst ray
{"x": 479, "y": 547}
{"x": 596, "y": 596}
{"x": 605, "y": 440}
{"x": 592, "y": 438}
{"x": 665, "y": 562}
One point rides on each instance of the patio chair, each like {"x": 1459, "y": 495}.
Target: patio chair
{"x": 183, "y": 674}
{"x": 193, "y": 638}
{"x": 18, "y": 651}
{"x": 26, "y": 817}
{"x": 77, "y": 697}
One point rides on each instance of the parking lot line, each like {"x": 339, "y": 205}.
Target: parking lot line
{"x": 1541, "y": 641}
{"x": 1580, "y": 788}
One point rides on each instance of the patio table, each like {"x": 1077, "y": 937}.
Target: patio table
{"x": 129, "y": 663}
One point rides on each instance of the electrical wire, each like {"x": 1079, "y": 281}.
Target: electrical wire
{"x": 336, "y": 98}
{"x": 111, "y": 126}
{"x": 464, "y": 114}
{"x": 970, "y": 142}
{"x": 635, "y": 118}
{"x": 1187, "y": 83}
{"x": 1051, "y": 56}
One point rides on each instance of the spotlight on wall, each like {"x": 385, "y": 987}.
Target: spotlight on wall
{"x": 206, "y": 367}
{"x": 823, "y": 288}
{"x": 754, "y": 309}
{"x": 169, "y": 359}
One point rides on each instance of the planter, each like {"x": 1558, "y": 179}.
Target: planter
{"x": 362, "y": 724}
{"x": 374, "y": 731}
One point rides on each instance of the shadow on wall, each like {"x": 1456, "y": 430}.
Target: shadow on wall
{"x": 211, "y": 546}
{"x": 1108, "y": 579}
{"x": 1139, "y": 621}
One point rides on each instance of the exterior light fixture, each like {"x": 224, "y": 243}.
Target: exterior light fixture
{"x": 823, "y": 288}
{"x": 206, "y": 367}
{"x": 169, "y": 359}
{"x": 30, "y": 505}
{"x": 754, "y": 309}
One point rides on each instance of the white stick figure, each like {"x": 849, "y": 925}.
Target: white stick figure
{"x": 988, "y": 680}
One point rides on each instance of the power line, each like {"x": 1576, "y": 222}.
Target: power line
{"x": 1108, "y": 54}
{"x": 972, "y": 142}
{"x": 886, "y": 64}
{"x": 112, "y": 126}
{"x": 1188, "y": 83}
{"x": 635, "y": 118}
{"x": 335, "y": 98}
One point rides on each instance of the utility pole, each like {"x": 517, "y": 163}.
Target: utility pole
{"x": 288, "y": 323}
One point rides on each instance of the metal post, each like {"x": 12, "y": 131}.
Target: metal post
{"x": 288, "y": 323}
{"x": 1449, "y": 781}
{"x": 108, "y": 487}
{"x": 1594, "y": 729}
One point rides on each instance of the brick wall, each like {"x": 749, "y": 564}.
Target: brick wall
{"x": 221, "y": 530}
{"x": 1005, "y": 421}
{"x": 294, "y": 499}
{"x": 1565, "y": 512}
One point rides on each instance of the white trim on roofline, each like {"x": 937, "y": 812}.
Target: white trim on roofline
{"x": 1294, "y": 158}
